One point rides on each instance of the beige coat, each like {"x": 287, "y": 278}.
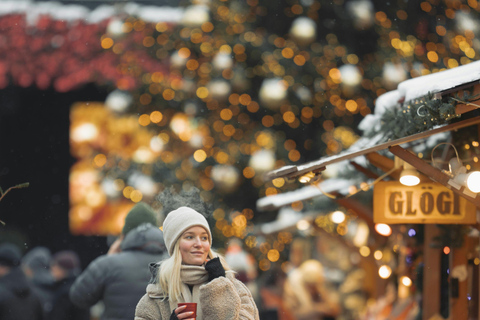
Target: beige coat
{"x": 306, "y": 304}
{"x": 224, "y": 298}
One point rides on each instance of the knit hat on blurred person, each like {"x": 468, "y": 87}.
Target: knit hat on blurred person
{"x": 10, "y": 255}
{"x": 140, "y": 213}
{"x": 67, "y": 260}
{"x": 179, "y": 220}
{"x": 38, "y": 258}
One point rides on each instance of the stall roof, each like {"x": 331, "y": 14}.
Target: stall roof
{"x": 319, "y": 165}
{"x": 305, "y": 193}
{"x": 440, "y": 82}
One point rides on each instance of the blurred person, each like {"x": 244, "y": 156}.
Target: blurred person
{"x": 193, "y": 273}
{"x": 305, "y": 293}
{"x": 17, "y": 298}
{"x": 300, "y": 251}
{"x": 65, "y": 267}
{"x": 118, "y": 279}
{"x": 244, "y": 265}
{"x": 271, "y": 293}
{"x": 139, "y": 214}
{"x": 36, "y": 266}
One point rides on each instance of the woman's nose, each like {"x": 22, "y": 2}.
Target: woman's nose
{"x": 197, "y": 241}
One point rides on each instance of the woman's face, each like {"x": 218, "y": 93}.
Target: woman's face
{"x": 194, "y": 246}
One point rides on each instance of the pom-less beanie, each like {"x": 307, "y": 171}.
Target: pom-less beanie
{"x": 68, "y": 260}
{"x": 140, "y": 213}
{"x": 179, "y": 220}
{"x": 38, "y": 258}
{"x": 10, "y": 255}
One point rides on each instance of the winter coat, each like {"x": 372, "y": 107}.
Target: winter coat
{"x": 42, "y": 284}
{"x": 17, "y": 299}
{"x": 62, "y": 307}
{"x": 119, "y": 279}
{"x": 36, "y": 265}
{"x": 223, "y": 298}
{"x": 305, "y": 304}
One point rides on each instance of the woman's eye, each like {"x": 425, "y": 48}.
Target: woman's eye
{"x": 204, "y": 238}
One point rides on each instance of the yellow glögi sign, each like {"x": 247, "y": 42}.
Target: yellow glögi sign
{"x": 425, "y": 203}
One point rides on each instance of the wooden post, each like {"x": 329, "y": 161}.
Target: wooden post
{"x": 431, "y": 274}
{"x": 473, "y": 282}
{"x": 459, "y": 305}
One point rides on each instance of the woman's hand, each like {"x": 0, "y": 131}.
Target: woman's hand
{"x": 178, "y": 314}
{"x": 214, "y": 268}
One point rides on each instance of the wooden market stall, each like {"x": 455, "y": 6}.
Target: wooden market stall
{"x": 439, "y": 105}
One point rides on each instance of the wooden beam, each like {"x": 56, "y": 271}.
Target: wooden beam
{"x": 358, "y": 208}
{"x": 432, "y": 172}
{"x": 363, "y": 212}
{"x": 383, "y": 163}
{"x": 386, "y": 164}
{"x": 367, "y": 172}
{"x": 319, "y": 165}
{"x": 461, "y": 108}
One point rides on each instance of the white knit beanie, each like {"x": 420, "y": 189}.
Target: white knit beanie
{"x": 179, "y": 220}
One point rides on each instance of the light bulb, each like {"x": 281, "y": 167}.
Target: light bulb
{"x": 337, "y": 217}
{"x": 384, "y": 271}
{"x": 406, "y": 281}
{"x": 383, "y": 229}
{"x": 306, "y": 177}
{"x": 470, "y": 180}
{"x": 409, "y": 177}
{"x": 473, "y": 181}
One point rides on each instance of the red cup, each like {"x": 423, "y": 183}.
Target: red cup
{"x": 191, "y": 307}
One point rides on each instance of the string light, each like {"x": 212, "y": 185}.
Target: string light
{"x": 384, "y": 272}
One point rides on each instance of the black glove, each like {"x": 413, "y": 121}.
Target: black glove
{"x": 173, "y": 316}
{"x": 215, "y": 269}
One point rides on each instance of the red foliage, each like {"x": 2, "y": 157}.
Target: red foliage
{"x": 65, "y": 55}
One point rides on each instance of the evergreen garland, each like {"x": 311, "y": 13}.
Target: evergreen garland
{"x": 421, "y": 114}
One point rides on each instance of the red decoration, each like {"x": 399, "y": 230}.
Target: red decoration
{"x": 66, "y": 55}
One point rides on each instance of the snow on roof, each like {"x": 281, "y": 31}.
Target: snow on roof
{"x": 286, "y": 218}
{"x": 74, "y": 12}
{"x": 305, "y": 193}
{"x": 386, "y": 101}
{"x": 439, "y": 81}
{"x": 371, "y": 122}
{"x": 350, "y": 153}
{"x": 418, "y": 87}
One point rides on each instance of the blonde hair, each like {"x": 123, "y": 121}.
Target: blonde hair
{"x": 169, "y": 277}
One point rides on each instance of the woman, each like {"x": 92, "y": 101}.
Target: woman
{"x": 193, "y": 273}
{"x": 306, "y": 294}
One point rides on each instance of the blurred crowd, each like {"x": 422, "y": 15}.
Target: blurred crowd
{"x": 44, "y": 285}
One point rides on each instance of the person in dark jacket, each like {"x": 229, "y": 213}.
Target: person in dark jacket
{"x": 36, "y": 266}
{"x": 17, "y": 299}
{"x": 65, "y": 267}
{"x": 119, "y": 279}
